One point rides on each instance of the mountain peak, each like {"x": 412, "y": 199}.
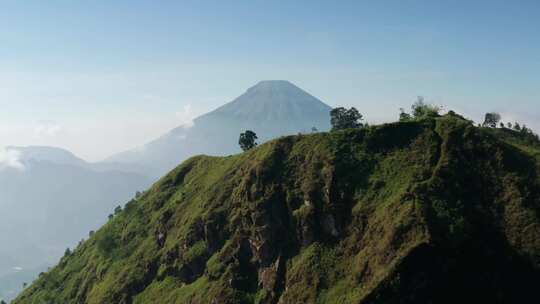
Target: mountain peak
{"x": 274, "y": 100}
{"x": 276, "y": 86}
{"x": 273, "y": 84}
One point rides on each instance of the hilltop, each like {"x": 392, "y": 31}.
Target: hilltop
{"x": 431, "y": 211}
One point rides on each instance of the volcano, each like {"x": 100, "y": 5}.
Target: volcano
{"x": 271, "y": 108}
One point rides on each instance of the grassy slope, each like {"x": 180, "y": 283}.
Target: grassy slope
{"x": 407, "y": 212}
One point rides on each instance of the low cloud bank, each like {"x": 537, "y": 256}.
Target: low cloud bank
{"x": 186, "y": 116}
{"x": 10, "y": 158}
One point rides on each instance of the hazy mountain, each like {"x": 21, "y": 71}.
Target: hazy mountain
{"x": 271, "y": 108}
{"x": 63, "y": 157}
{"x": 48, "y": 154}
{"x": 49, "y": 200}
{"x": 429, "y": 211}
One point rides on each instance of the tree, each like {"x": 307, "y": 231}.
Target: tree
{"x": 111, "y": 216}
{"x": 342, "y": 118}
{"x": 106, "y": 243}
{"x": 117, "y": 210}
{"x": 3, "y": 302}
{"x": 67, "y": 252}
{"x": 491, "y": 120}
{"x": 314, "y": 130}
{"x": 404, "y": 116}
{"x": 517, "y": 127}
{"x": 525, "y": 130}
{"x": 421, "y": 109}
{"x": 247, "y": 140}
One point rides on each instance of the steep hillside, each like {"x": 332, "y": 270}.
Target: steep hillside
{"x": 437, "y": 211}
{"x": 270, "y": 108}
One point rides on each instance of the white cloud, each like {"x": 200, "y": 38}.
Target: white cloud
{"x": 47, "y": 128}
{"x": 10, "y": 158}
{"x": 185, "y": 116}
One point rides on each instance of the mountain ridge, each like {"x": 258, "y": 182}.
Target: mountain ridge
{"x": 415, "y": 212}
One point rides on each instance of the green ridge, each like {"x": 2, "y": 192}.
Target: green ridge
{"x": 433, "y": 211}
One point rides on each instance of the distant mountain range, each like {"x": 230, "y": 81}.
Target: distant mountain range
{"x": 271, "y": 108}
{"x": 50, "y": 201}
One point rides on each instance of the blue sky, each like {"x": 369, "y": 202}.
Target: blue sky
{"x": 98, "y": 77}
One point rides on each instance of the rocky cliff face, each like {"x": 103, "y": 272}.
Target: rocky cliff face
{"x": 422, "y": 212}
